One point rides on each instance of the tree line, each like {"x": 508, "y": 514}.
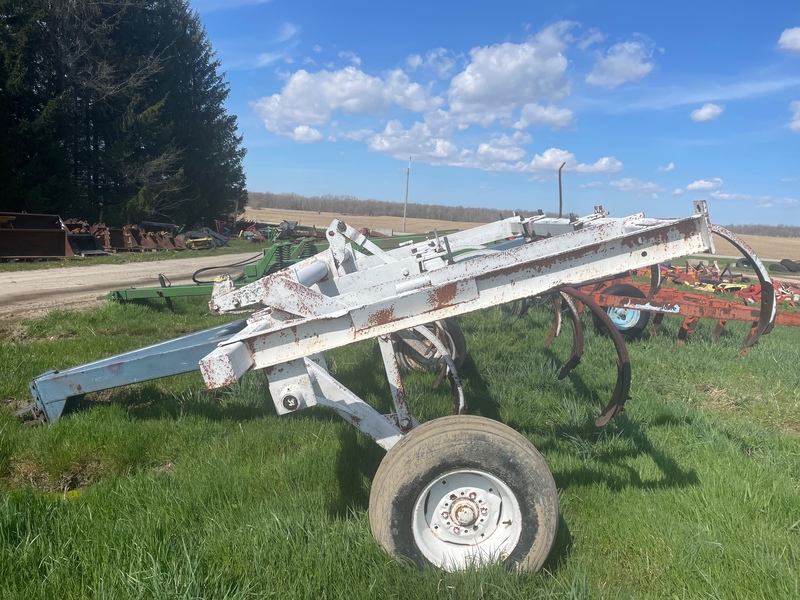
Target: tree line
{"x": 784, "y": 231}
{"x": 354, "y": 206}
{"x": 112, "y": 111}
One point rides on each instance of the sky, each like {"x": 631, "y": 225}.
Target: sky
{"x": 651, "y": 105}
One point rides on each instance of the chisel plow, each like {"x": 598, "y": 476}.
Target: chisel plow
{"x": 456, "y": 491}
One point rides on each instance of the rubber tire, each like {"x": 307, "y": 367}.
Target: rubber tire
{"x": 635, "y": 330}
{"x": 464, "y": 442}
{"x": 791, "y": 265}
{"x": 778, "y": 268}
{"x": 457, "y": 344}
{"x": 743, "y": 263}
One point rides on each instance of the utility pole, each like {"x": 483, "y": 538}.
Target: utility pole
{"x": 559, "y": 188}
{"x": 405, "y": 204}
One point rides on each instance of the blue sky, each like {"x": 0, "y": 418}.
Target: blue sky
{"x": 651, "y": 105}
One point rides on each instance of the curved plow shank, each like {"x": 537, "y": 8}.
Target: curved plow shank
{"x": 655, "y": 281}
{"x": 766, "y": 318}
{"x": 577, "y": 337}
{"x": 459, "y": 402}
{"x": 555, "y": 328}
{"x": 623, "y": 386}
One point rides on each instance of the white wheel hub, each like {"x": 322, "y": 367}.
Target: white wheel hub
{"x": 464, "y": 518}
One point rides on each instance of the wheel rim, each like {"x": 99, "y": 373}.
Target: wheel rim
{"x": 465, "y": 518}
{"x": 624, "y": 318}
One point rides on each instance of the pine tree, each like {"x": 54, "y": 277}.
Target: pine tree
{"x": 114, "y": 110}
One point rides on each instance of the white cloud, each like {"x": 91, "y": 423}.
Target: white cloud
{"x": 304, "y": 133}
{"x": 790, "y": 39}
{"x": 504, "y": 77}
{"x": 440, "y": 60}
{"x": 419, "y": 143}
{"x": 505, "y": 153}
{"x": 794, "y": 124}
{"x": 536, "y": 114}
{"x": 504, "y": 149}
{"x": 659, "y": 98}
{"x": 593, "y": 36}
{"x": 422, "y": 143}
{"x": 351, "y": 56}
{"x": 677, "y": 192}
{"x": 286, "y": 33}
{"x": 317, "y": 48}
{"x": 625, "y": 61}
{"x": 667, "y": 168}
{"x": 515, "y": 85}
{"x": 704, "y": 184}
{"x": 414, "y": 61}
{"x": 729, "y": 196}
{"x": 357, "y": 135}
{"x": 708, "y": 112}
{"x": 592, "y": 184}
{"x": 788, "y": 179}
{"x": 267, "y": 58}
{"x": 552, "y": 159}
{"x": 311, "y": 98}
{"x": 643, "y": 189}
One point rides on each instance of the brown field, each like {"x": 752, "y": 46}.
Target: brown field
{"x": 323, "y": 220}
{"x": 765, "y": 247}
{"x": 774, "y": 248}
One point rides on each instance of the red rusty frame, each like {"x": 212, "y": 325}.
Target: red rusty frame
{"x": 693, "y": 306}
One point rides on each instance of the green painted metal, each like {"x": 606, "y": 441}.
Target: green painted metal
{"x": 275, "y": 257}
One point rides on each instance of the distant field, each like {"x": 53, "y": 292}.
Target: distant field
{"x": 765, "y": 247}
{"x": 323, "y": 220}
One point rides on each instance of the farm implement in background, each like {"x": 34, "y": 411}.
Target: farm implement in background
{"x": 272, "y": 258}
{"x": 276, "y": 256}
{"x": 630, "y": 305}
{"x": 33, "y": 236}
{"x": 459, "y": 490}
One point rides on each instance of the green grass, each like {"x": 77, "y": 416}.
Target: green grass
{"x": 166, "y": 490}
{"x": 235, "y": 245}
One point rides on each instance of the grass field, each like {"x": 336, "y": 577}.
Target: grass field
{"x": 165, "y": 490}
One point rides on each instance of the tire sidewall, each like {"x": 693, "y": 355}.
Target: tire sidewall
{"x": 526, "y": 483}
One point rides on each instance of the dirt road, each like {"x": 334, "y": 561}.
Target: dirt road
{"x": 25, "y": 294}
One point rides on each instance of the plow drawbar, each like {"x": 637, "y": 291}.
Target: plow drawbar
{"x": 457, "y": 491}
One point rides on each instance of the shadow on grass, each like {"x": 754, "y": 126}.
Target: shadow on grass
{"x": 148, "y": 401}
{"x": 477, "y": 394}
{"x": 357, "y": 463}
{"x": 604, "y": 466}
{"x": 562, "y": 547}
{"x": 598, "y": 470}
